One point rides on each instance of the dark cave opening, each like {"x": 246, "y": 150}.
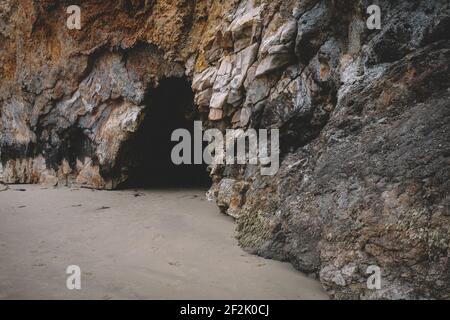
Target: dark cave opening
{"x": 170, "y": 106}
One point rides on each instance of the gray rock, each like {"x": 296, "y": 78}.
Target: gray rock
{"x": 273, "y": 62}
{"x": 203, "y": 98}
{"x": 312, "y": 30}
{"x": 245, "y": 29}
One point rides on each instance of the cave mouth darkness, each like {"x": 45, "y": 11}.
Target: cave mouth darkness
{"x": 169, "y": 106}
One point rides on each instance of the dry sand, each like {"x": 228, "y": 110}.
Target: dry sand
{"x": 169, "y": 244}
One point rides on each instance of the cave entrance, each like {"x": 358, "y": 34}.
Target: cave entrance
{"x": 170, "y": 106}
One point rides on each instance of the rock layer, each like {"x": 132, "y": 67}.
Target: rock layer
{"x": 363, "y": 116}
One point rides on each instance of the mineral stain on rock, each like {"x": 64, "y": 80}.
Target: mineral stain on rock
{"x": 363, "y": 114}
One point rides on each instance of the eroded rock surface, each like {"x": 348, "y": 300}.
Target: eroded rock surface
{"x": 364, "y": 118}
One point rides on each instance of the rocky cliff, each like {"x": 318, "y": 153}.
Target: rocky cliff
{"x": 364, "y": 119}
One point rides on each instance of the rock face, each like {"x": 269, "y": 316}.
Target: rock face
{"x": 364, "y": 120}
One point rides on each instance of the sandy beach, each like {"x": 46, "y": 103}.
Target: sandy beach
{"x": 153, "y": 244}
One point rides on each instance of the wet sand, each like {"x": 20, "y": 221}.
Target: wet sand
{"x": 169, "y": 244}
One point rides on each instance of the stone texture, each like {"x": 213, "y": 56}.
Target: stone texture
{"x": 277, "y": 49}
{"x": 363, "y": 118}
